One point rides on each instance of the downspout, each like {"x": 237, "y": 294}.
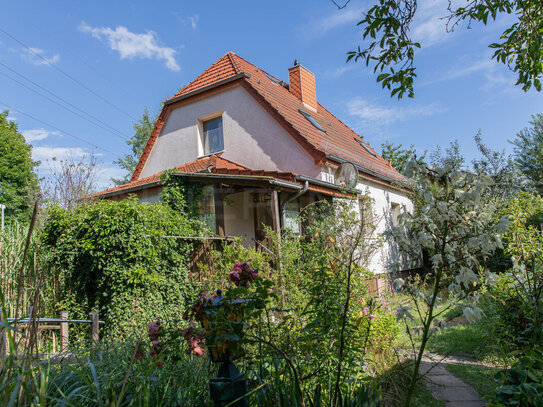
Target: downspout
{"x": 292, "y": 198}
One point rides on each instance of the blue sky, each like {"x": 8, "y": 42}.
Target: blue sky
{"x": 114, "y": 58}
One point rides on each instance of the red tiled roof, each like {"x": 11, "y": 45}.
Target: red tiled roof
{"x": 211, "y": 162}
{"x": 338, "y": 139}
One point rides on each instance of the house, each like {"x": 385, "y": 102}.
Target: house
{"x": 263, "y": 149}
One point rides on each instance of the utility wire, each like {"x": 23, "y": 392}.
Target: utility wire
{"x": 41, "y": 31}
{"x": 59, "y": 130}
{"x": 68, "y": 75}
{"x": 114, "y": 132}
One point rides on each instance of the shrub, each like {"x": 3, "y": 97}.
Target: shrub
{"x": 522, "y": 385}
{"x": 114, "y": 259}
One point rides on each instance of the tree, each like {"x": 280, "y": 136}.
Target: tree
{"x": 143, "y": 129}
{"x": 72, "y": 179}
{"x": 529, "y": 151}
{"x": 501, "y": 167}
{"x": 456, "y": 228}
{"x": 391, "y": 50}
{"x": 18, "y": 182}
{"x": 397, "y": 155}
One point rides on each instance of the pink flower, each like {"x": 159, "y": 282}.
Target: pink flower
{"x": 254, "y": 275}
{"x": 388, "y": 308}
{"x": 372, "y": 316}
{"x": 366, "y": 310}
{"x": 155, "y": 343}
{"x": 395, "y": 312}
{"x": 154, "y": 330}
{"x": 198, "y": 351}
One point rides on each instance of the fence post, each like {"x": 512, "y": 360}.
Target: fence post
{"x": 94, "y": 328}
{"x": 64, "y": 332}
{"x": 3, "y": 339}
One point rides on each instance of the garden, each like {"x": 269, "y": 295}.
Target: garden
{"x": 292, "y": 325}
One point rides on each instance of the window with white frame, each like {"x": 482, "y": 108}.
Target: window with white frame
{"x": 212, "y": 136}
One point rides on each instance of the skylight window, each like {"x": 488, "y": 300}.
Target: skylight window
{"x": 312, "y": 120}
{"x": 271, "y": 78}
{"x": 359, "y": 141}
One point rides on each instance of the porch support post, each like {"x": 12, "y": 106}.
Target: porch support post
{"x": 276, "y": 215}
{"x": 219, "y": 209}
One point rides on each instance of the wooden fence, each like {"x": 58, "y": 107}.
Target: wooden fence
{"x": 54, "y": 325}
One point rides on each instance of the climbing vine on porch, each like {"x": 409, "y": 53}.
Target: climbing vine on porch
{"x": 180, "y": 195}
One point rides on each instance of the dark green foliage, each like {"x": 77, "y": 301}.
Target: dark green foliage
{"x": 391, "y": 51}
{"x": 18, "y": 182}
{"x": 137, "y": 143}
{"x": 114, "y": 259}
{"x": 529, "y": 151}
{"x": 398, "y": 155}
{"x": 180, "y": 195}
{"x": 522, "y": 385}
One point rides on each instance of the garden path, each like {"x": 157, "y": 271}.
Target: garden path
{"x": 445, "y": 386}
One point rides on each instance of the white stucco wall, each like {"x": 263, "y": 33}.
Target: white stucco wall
{"x": 238, "y": 217}
{"x": 252, "y": 137}
{"x": 382, "y": 199}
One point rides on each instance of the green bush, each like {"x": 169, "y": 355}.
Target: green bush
{"x": 113, "y": 258}
{"x": 522, "y": 385}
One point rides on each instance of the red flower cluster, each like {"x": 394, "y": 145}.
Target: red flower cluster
{"x": 191, "y": 334}
{"x": 242, "y": 274}
{"x": 155, "y": 330}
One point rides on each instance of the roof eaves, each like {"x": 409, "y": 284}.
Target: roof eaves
{"x": 206, "y": 88}
{"x": 328, "y": 184}
{"x": 392, "y": 181}
{"x": 128, "y": 190}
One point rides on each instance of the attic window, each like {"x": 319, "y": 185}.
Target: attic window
{"x": 312, "y": 120}
{"x": 359, "y": 141}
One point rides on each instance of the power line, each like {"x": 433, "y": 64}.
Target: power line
{"x": 68, "y": 75}
{"x": 41, "y": 30}
{"x": 59, "y": 130}
{"x": 104, "y": 126}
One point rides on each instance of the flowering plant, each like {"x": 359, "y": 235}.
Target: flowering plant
{"x": 243, "y": 274}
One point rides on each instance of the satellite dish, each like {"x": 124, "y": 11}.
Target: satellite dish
{"x": 346, "y": 175}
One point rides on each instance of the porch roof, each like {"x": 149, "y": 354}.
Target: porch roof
{"x": 214, "y": 169}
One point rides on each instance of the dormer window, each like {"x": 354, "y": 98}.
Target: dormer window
{"x": 212, "y": 136}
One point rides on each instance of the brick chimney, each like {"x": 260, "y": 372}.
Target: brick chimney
{"x": 302, "y": 85}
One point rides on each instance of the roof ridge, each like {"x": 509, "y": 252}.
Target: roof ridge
{"x": 210, "y": 68}
{"x": 257, "y": 67}
{"x": 233, "y": 62}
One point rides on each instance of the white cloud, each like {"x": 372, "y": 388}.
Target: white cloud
{"x": 33, "y": 55}
{"x": 194, "y": 21}
{"x": 131, "y": 45}
{"x": 337, "y": 72}
{"x": 429, "y": 27}
{"x": 493, "y": 74}
{"x": 38, "y": 134}
{"x": 349, "y": 15}
{"x": 51, "y": 154}
{"x": 376, "y": 116}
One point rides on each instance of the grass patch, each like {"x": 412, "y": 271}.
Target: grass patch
{"x": 470, "y": 340}
{"x": 481, "y": 378}
{"x": 423, "y": 398}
